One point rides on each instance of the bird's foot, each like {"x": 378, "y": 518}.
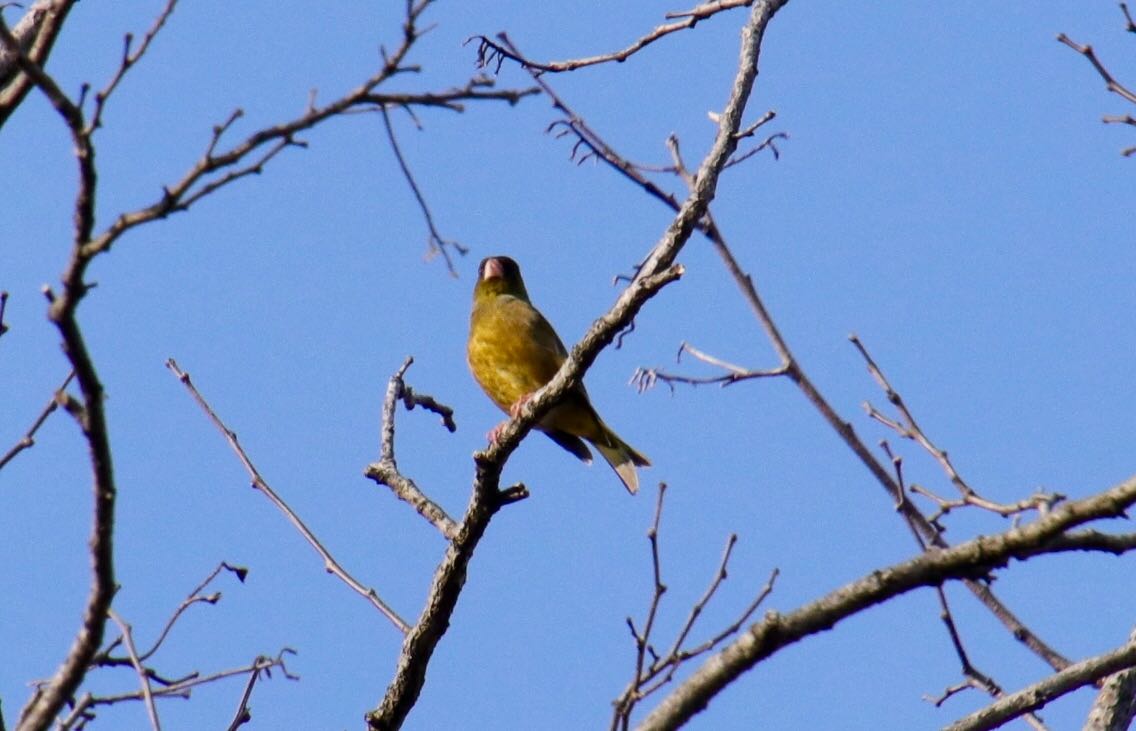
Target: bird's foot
{"x": 516, "y": 408}
{"x": 495, "y": 433}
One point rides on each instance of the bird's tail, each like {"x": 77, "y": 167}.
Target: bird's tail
{"x": 623, "y": 459}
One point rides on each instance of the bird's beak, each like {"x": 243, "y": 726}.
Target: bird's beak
{"x": 493, "y": 269}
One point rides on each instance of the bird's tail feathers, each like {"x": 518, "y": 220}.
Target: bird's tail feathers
{"x": 623, "y": 459}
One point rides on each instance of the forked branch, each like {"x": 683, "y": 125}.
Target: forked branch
{"x": 258, "y": 482}
{"x": 652, "y": 675}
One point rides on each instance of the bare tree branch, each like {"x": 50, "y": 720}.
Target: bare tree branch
{"x": 650, "y": 677}
{"x": 908, "y": 428}
{"x": 925, "y": 531}
{"x": 218, "y": 168}
{"x": 28, "y": 440}
{"x": 215, "y": 169}
{"x": 194, "y": 597}
{"x": 130, "y": 56}
{"x": 590, "y": 144}
{"x": 974, "y": 678}
{"x": 436, "y": 244}
{"x": 1111, "y": 83}
{"x": 1109, "y": 80}
{"x": 48, "y": 699}
{"x": 143, "y": 676}
{"x": 244, "y": 713}
{"x": 493, "y": 53}
{"x": 645, "y": 379}
{"x": 386, "y": 472}
{"x": 34, "y": 34}
{"x": 1115, "y": 705}
{"x": 330, "y": 564}
{"x": 1037, "y": 695}
{"x": 965, "y": 560}
{"x": 921, "y": 526}
{"x": 625, "y": 704}
{"x": 656, "y": 272}
{"x": 83, "y": 709}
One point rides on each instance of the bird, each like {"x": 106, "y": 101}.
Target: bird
{"x": 513, "y": 351}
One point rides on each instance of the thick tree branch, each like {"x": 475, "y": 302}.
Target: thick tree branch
{"x": 1033, "y": 697}
{"x": 34, "y": 35}
{"x": 966, "y": 560}
{"x": 657, "y": 271}
{"x": 1115, "y": 705}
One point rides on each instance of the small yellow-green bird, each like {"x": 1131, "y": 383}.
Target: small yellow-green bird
{"x": 513, "y": 351}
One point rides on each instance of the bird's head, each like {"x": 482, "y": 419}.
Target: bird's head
{"x": 499, "y": 275}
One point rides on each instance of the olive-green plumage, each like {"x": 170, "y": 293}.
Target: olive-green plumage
{"x": 513, "y": 351}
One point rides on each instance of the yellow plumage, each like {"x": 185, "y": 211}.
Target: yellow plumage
{"x": 513, "y": 351}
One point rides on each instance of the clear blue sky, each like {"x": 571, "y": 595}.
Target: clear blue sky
{"x": 948, "y": 192}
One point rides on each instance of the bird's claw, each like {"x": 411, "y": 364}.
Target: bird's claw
{"x": 495, "y": 433}
{"x": 515, "y": 409}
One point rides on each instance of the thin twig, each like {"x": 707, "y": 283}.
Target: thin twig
{"x": 437, "y": 244}
{"x": 28, "y": 440}
{"x": 180, "y": 689}
{"x": 195, "y": 597}
{"x": 104, "y": 657}
{"x": 330, "y": 564}
{"x": 644, "y": 379}
{"x": 244, "y": 714}
{"x": 650, "y": 677}
{"x": 1110, "y": 81}
{"x": 642, "y": 641}
{"x": 696, "y": 610}
{"x": 491, "y": 53}
{"x": 143, "y": 675}
{"x": 129, "y": 58}
{"x": 3, "y": 306}
{"x": 974, "y": 678}
{"x": 908, "y": 428}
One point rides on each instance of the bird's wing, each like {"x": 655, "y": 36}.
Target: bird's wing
{"x": 544, "y": 335}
